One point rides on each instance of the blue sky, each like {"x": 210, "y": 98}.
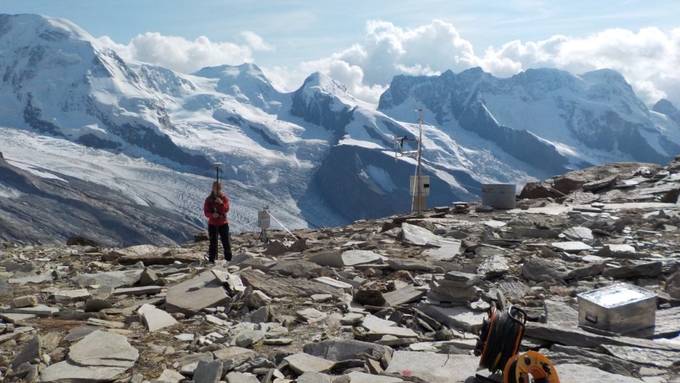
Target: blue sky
{"x": 364, "y": 43}
{"x": 304, "y": 30}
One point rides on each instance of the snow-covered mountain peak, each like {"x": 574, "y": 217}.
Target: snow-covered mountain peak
{"x": 29, "y": 29}
{"x": 246, "y": 82}
{"x": 545, "y": 80}
{"x": 666, "y": 107}
{"x": 605, "y": 75}
{"x": 320, "y": 82}
{"x": 243, "y": 71}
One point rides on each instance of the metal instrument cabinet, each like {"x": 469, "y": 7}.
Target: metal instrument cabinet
{"x": 620, "y": 308}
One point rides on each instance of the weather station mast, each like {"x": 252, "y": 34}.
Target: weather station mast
{"x": 419, "y": 184}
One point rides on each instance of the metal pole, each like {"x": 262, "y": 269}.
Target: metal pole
{"x": 416, "y": 203}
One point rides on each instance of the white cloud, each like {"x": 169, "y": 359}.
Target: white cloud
{"x": 647, "y": 58}
{"x": 256, "y": 42}
{"x": 185, "y": 55}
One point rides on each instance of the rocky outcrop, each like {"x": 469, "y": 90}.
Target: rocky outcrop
{"x": 396, "y": 299}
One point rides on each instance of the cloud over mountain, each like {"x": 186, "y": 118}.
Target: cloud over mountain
{"x": 648, "y": 58}
{"x": 183, "y": 55}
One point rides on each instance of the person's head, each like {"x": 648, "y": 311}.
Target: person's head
{"x": 217, "y": 187}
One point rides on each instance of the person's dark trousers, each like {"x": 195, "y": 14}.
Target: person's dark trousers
{"x": 223, "y": 232}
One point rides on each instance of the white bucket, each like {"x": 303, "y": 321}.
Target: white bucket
{"x": 499, "y": 196}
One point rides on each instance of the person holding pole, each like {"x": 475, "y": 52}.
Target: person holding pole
{"x": 215, "y": 208}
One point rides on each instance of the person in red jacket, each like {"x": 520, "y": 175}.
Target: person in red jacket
{"x": 215, "y": 208}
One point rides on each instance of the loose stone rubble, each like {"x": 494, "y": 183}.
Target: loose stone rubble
{"x": 399, "y": 299}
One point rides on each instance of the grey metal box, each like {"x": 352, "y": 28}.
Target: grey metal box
{"x": 620, "y": 308}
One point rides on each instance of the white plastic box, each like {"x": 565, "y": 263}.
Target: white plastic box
{"x": 620, "y": 308}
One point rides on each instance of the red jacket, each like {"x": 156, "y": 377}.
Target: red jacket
{"x": 219, "y": 205}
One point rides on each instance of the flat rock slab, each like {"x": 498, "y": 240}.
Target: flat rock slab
{"x": 16, "y": 318}
{"x": 314, "y": 377}
{"x": 169, "y": 376}
{"x": 493, "y": 266}
{"x": 240, "y": 377}
{"x": 238, "y": 355}
{"x": 420, "y": 236}
{"x": 574, "y": 373}
{"x": 645, "y": 356}
{"x": 248, "y": 338}
{"x": 344, "y": 349}
{"x": 112, "y": 279}
{"x": 67, "y": 371}
{"x": 432, "y": 367}
{"x": 140, "y": 290}
{"x": 103, "y": 349}
{"x": 360, "y": 257}
{"x": 66, "y": 296}
{"x": 233, "y": 281}
{"x": 643, "y": 270}
{"x": 39, "y": 310}
{"x": 560, "y": 314}
{"x": 334, "y": 283}
{"x": 14, "y": 334}
{"x": 578, "y": 233}
{"x": 196, "y": 294}
{"x": 379, "y": 326}
{"x": 303, "y": 362}
{"x": 617, "y": 251}
{"x": 346, "y": 258}
{"x": 579, "y": 338}
{"x": 34, "y": 278}
{"x": 445, "y": 252}
{"x": 571, "y": 246}
{"x": 277, "y": 287}
{"x": 311, "y": 315}
{"x": 362, "y": 377}
{"x": 404, "y": 295}
{"x": 154, "y": 318}
{"x": 457, "y": 317}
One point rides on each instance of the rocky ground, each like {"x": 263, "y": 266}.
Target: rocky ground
{"x": 391, "y": 300}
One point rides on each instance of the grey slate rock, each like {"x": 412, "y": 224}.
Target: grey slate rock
{"x": 344, "y": 349}
{"x": 542, "y": 270}
{"x": 29, "y": 353}
{"x": 195, "y": 294}
{"x": 208, "y": 372}
{"x": 102, "y": 348}
{"x": 432, "y": 367}
{"x": 644, "y": 270}
{"x": 574, "y": 373}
